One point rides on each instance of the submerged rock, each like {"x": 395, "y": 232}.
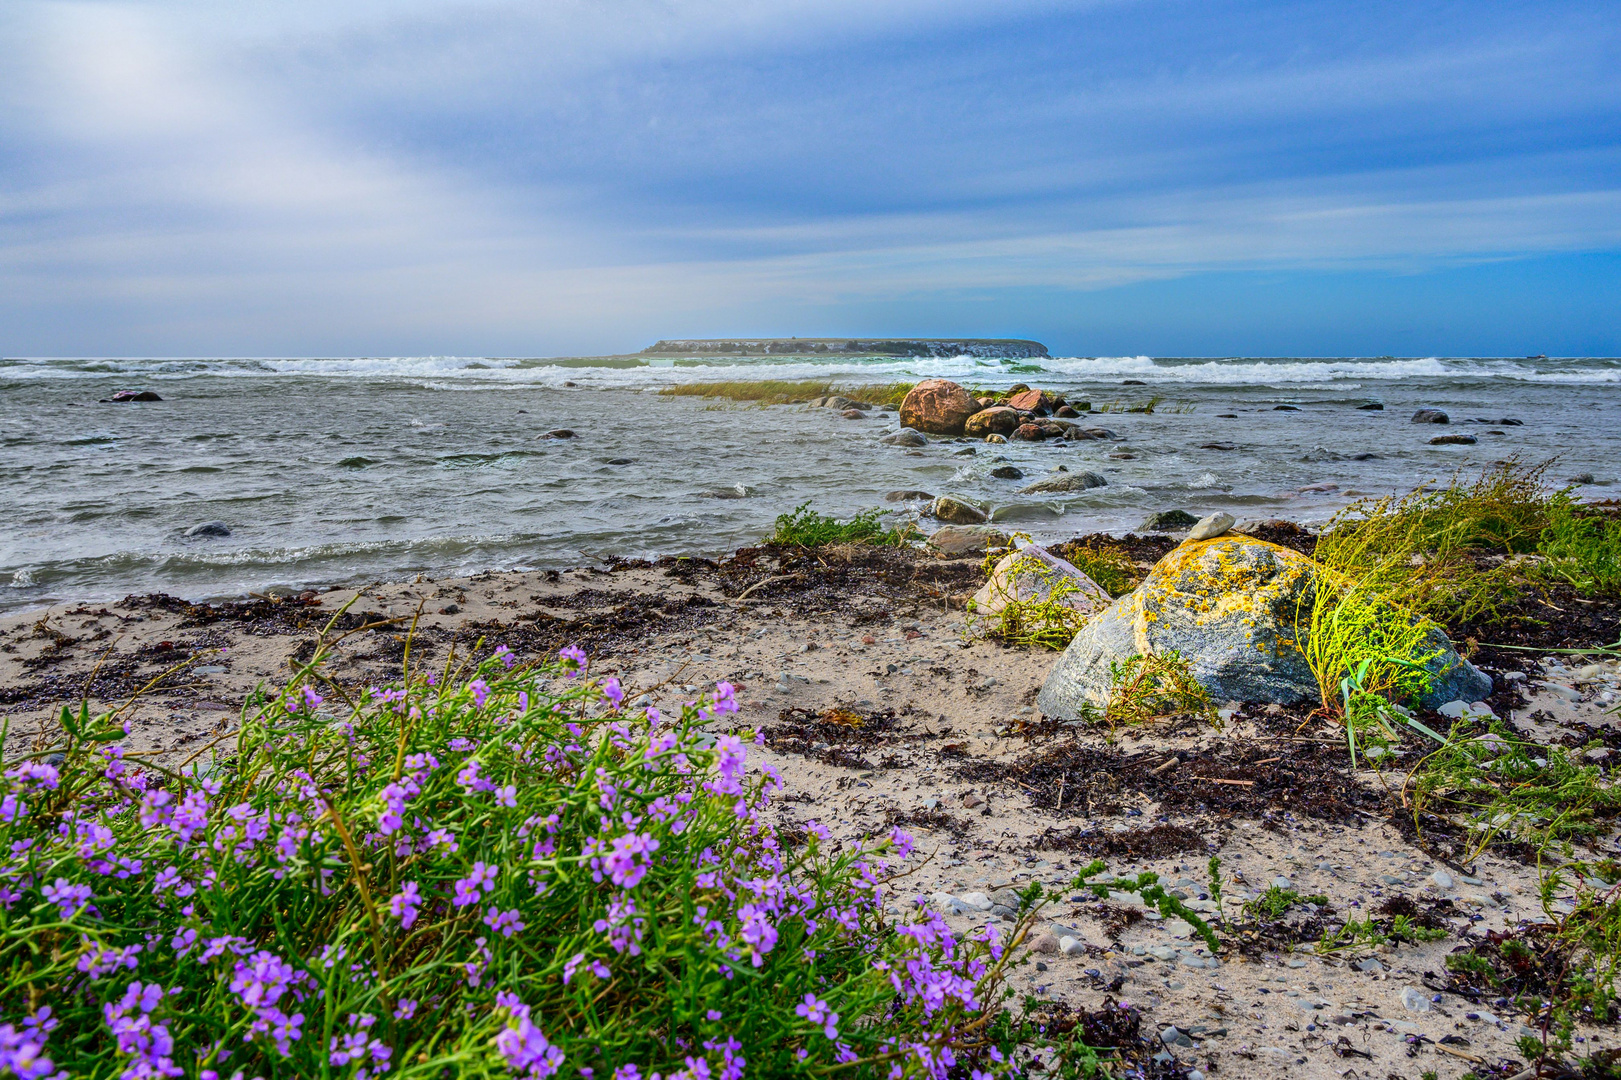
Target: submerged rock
{"x": 1453, "y": 440}
{"x": 1229, "y": 606}
{"x": 967, "y": 539}
{"x": 1033, "y": 574}
{"x": 907, "y": 495}
{"x": 1431, "y": 416}
{"x": 957, "y": 512}
{"x": 905, "y": 437}
{"x": 133, "y": 395}
{"x": 1066, "y": 481}
{"x": 209, "y": 528}
{"x": 1008, "y": 472}
{"x": 937, "y": 406}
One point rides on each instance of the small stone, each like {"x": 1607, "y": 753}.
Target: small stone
{"x": 1071, "y": 946}
{"x": 1283, "y": 883}
{"x": 1442, "y": 879}
{"x": 1041, "y": 966}
{"x": 994, "y": 438}
{"x": 978, "y": 900}
{"x": 1370, "y": 965}
{"x": 1214, "y": 525}
{"x": 1569, "y": 693}
{"x": 905, "y": 437}
{"x": 971, "y": 800}
{"x": 134, "y": 395}
{"x": 1045, "y": 944}
{"x": 1414, "y": 1001}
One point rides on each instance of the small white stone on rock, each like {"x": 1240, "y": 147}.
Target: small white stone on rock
{"x": 1216, "y": 524}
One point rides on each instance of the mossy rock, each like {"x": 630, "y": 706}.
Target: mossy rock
{"x": 1229, "y": 605}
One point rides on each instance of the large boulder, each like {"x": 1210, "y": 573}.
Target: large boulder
{"x": 1034, "y": 574}
{"x": 937, "y": 406}
{"x": 999, "y": 419}
{"x": 1031, "y": 401}
{"x": 957, "y": 511}
{"x": 1229, "y": 605}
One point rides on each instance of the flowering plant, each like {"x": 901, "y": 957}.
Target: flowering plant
{"x": 492, "y": 871}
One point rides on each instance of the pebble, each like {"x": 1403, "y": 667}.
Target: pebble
{"x": 979, "y": 900}
{"x": 1414, "y": 1001}
{"x": 1071, "y": 946}
{"x": 1442, "y": 879}
{"x": 1559, "y": 690}
{"x": 1045, "y": 943}
{"x": 1370, "y": 965}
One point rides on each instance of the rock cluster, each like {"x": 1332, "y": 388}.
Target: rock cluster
{"x": 942, "y": 407}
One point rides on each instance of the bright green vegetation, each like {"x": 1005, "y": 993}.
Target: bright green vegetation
{"x": 804, "y": 527}
{"x": 781, "y": 392}
{"x": 1273, "y": 903}
{"x": 1368, "y": 933}
{"x": 1583, "y": 549}
{"x": 1039, "y": 621}
{"x": 1143, "y": 687}
{"x": 1494, "y": 784}
{"x": 1107, "y": 566}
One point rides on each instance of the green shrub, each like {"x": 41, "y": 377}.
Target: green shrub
{"x": 1107, "y": 566}
{"x": 1035, "y": 621}
{"x": 804, "y": 527}
{"x": 1583, "y": 549}
{"x": 485, "y": 872}
{"x": 1146, "y": 686}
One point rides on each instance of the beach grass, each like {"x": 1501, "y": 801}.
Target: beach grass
{"x": 804, "y": 527}
{"x": 785, "y": 391}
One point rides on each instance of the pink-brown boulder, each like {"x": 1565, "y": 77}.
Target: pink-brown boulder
{"x": 998, "y": 419}
{"x": 937, "y": 406}
{"x": 1030, "y": 401}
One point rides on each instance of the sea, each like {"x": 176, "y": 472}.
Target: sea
{"x": 348, "y": 470}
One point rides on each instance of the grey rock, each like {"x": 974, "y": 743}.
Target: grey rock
{"x": 1032, "y": 574}
{"x": 957, "y": 512}
{"x": 1229, "y": 606}
{"x": 1431, "y": 416}
{"x": 1372, "y": 406}
{"x": 907, "y": 495}
{"x": 1081, "y": 481}
{"x": 1414, "y": 1000}
{"x": 1008, "y": 472}
{"x": 1319, "y": 454}
{"x": 1442, "y": 879}
{"x": 133, "y": 395}
{"x": 853, "y": 414}
{"x": 560, "y": 433}
{"x": 905, "y": 437}
{"x": 1170, "y": 520}
{"x": 1370, "y": 965}
{"x": 209, "y": 528}
{"x": 967, "y": 539}
{"x": 1212, "y": 526}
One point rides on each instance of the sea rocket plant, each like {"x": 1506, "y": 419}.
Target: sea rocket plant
{"x": 506, "y": 873}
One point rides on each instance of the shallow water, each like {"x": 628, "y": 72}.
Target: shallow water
{"x": 346, "y": 470}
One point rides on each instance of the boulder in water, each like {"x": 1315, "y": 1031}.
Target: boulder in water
{"x": 905, "y": 437}
{"x": 999, "y": 419}
{"x": 957, "y": 512}
{"x": 1170, "y": 520}
{"x": 1065, "y": 481}
{"x": 937, "y": 406}
{"x": 1453, "y": 440}
{"x": 1431, "y": 416}
{"x": 209, "y": 528}
{"x": 907, "y": 495}
{"x": 134, "y": 395}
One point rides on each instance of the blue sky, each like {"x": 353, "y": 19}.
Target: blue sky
{"x": 181, "y": 177}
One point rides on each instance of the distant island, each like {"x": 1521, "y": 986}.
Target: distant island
{"x": 994, "y": 348}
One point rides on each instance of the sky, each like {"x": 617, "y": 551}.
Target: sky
{"x": 451, "y": 177}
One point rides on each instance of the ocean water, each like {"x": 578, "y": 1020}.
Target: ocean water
{"x": 352, "y": 469}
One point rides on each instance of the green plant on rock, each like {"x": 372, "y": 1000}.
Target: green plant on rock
{"x": 1145, "y": 686}
{"x": 1114, "y": 572}
{"x": 1026, "y": 615}
{"x": 804, "y": 527}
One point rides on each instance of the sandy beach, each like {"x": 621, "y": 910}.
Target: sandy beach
{"x": 880, "y": 710}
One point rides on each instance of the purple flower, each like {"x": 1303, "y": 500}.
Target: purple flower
{"x": 403, "y": 904}
{"x": 405, "y": 1009}
{"x": 467, "y": 889}
{"x": 480, "y": 691}
{"x": 505, "y": 923}
{"x": 612, "y": 691}
{"x": 573, "y": 658}
{"x": 525, "y": 1047}
{"x": 504, "y": 654}
{"x": 69, "y": 899}
{"x": 261, "y": 979}
{"x": 148, "y": 1043}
